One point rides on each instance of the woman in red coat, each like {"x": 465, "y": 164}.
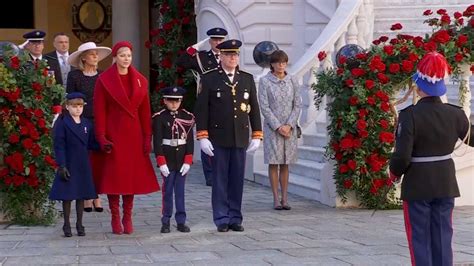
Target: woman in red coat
{"x": 123, "y": 129}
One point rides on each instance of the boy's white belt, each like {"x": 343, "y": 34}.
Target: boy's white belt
{"x": 174, "y": 142}
{"x": 430, "y": 159}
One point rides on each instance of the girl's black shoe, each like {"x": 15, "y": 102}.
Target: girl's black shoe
{"x": 80, "y": 230}
{"x": 67, "y": 230}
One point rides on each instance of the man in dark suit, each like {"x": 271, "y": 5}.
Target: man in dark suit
{"x": 57, "y": 60}
{"x": 202, "y": 62}
{"x": 225, "y": 109}
{"x": 34, "y": 44}
{"x": 426, "y": 136}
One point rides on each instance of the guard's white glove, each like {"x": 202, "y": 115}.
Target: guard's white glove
{"x": 54, "y": 119}
{"x": 185, "y": 169}
{"x": 206, "y": 146}
{"x": 254, "y": 144}
{"x": 196, "y": 47}
{"x": 165, "y": 171}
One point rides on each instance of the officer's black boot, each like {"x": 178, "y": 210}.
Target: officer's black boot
{"x": 79, "y": 211}
{"x": 66, "y": 214}
{"x": 183, "y": 228}
{"x": 165, "y": 228}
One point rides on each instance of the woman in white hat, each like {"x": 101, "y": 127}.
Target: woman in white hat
{"x": 82, "y": 79}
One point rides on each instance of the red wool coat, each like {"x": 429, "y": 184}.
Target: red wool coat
{"x": 126, "y": 123}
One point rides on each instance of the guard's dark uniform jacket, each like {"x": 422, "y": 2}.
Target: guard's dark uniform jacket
{"x": 223, "y": 113}
{"x": 207, "y": 58}
{"x": 175, "y": 154}
{"x": 428, "y": 129}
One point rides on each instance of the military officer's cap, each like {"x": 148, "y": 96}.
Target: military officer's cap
{"x": 75, "y": 95}
{"x": 173, "y": 92}
{"x": 217, "y": 33}
{"x": 36, "y": 35}
{"x": 229, "y": 46}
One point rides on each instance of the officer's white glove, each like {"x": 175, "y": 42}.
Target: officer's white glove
{"x": 206, "y": 146}
{"x": 196, "y": 47}
{"x": 54, "y": 119}
{"x": 254, "y": 144}
{"x": 185, "y": 169}
{"x": 164, "y": 170}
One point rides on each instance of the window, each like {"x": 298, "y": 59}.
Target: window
{"x": 24, "y": 17}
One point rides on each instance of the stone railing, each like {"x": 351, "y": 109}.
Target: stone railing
{"x": 352, "y": 23}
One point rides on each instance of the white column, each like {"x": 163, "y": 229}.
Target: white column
{"x": 126, "y": 26}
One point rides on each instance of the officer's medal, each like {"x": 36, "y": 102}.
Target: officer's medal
{"x": 243, "y": 107}
{"x": 246, "y": 95}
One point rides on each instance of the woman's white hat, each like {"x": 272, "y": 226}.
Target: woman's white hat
{"x": 102, "y": 52}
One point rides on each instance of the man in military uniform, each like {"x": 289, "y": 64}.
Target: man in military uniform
{"x": 225, "y": 109}
{"x": 426, "y": 136}
{"x": 202, "y": 62}
{"x": 173, "y": 142}
{"x": 34, "y": 44}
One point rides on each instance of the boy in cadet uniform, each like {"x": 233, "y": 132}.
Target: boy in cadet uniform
{"x": 173, "y": 142}
{"x": 426, "y": 136}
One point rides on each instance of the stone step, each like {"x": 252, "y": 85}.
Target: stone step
{"x": 298, "y": 185}
{"x": 314, "y": 140}
{"x": 307, "y": 168}
{"x": 311, "y": 153}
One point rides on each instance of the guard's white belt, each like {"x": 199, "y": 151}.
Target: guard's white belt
{"x": 174, "y": 142}
{"x": 430, "y": 159}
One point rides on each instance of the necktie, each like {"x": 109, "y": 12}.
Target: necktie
{"x": 64, "y": 68}
{"x": 217, "y": 57}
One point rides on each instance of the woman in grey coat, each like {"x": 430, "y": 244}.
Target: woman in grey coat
{"x": 280, "y": 104}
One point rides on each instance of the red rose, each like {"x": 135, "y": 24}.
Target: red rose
{"x": 369, "y": 84}
{"x": 457, "y": 15}
{"x": 36, "y": 86}
{"x": 15, "y": 62}
{"x": 375, "y": 166}
{"x": 346, "y": 143}
{"x": 383, "y": 38}
{"x": 363, "y": 112}
{"x": 370, "y": 100}
{"x": 322, "y": 55}
{"x": 361, "y": 124}
{"x": 363, "y": 170}
{"x": 353, "y": 100}
{"x": 407, "y": 66}
{"x": 427, "y": 12}
{"x": 382, "y": 78}
{"x": 394, "y": 41}
{"x": 13, "y": 96}
{"x": 186, "y": 20}
{"x": 469, "y": 11}
{"x": 18, "y": 180}
{"x": 349, "y": 83}
{"x": 429, "y": 46}
{"x": 38, "y": 113}
{"x": 441, "y": 12}
{"x": 35, "y": 150}
{"x": 385, "y": 106}
{"x": 4, "y": 172}
{"x": 15, "y": 162}
{"x": 356, "y": 143}
{"x": 168, "y": 26}
{"x": 357, "y": 72}
{"x": 342, "y": 60}
{"x": 412, "y": 57}
{"x": 49, "y": 160}
{"x": 386, "y": 137}
{"x": 33, "y": 181}
{"x": 27, "y": 143}
{"x": 160, "y": 42}
{"x": 376, "y": 64}
{"x": 445, "y": 19}
{"x": 394, "y": 68}
{"x": 462, "y": 39}
{"x": 347, "y": 183}
{"x": 338, "y": 156}
{"x": 13, "y": 138}
{"x": 441, "y": 36}
{"x": 32, "y": 168}
{"x": 363, "y": 133}
{"x": 343, "y": 169}
{"x": 458, "y": 57}
{"x": 41, "y": 123}
{"x": 340, "y": 71}
{"x": 376, "y": 42}
{"x": 460, "y": 21}
{"x": 23, "y": 131}
{"x": 382, "y": 96}
{"x": 388, "y": 49}
{"x": 418, "y": 42}
{"x": 383, "y": 123}
{"x": 352, "y": 165}
{"x": 472, "y": 68}
{"x": 361, "y": 56}
{"x": 166, "y": 63}
{"x": 396, "y": 26}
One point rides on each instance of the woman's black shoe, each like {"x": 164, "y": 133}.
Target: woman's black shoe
{"x": 97, "y": 209}
{"x": 67, "y": 230}
{"x": 88, "y": 209}
{"x": 80, "y": 230}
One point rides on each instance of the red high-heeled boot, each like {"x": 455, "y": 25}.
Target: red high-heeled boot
{"x": 114, "y": 206}
{"x": 127, "y": 214}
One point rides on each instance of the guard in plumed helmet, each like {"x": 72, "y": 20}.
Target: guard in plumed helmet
{"x": 425, "y": 139}
{"x": 173, "y": 142}
{"x": 201, "y": 62}
{"x": 226, "y": 112}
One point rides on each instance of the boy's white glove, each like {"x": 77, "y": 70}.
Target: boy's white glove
{"x": 164, "y": 170}
{"x": 254, "y": 144}
{"x": 185, "y": 169}
{"x": 206, "y": 146}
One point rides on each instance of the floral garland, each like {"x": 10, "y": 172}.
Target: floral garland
{"x": 176, "y": 31}
{"x": 362, "y": 113}
{"x": 26, "y": 163}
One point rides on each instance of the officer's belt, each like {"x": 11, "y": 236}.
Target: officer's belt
{"x": 430, "y": 159}
{"x": 174, "y": 142}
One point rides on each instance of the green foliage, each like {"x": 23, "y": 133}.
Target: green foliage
{"x": 26, "y": 164}
{"x": 175, "y": 32}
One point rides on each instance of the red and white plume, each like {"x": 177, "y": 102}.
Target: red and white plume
{"x": 433, "y": 67}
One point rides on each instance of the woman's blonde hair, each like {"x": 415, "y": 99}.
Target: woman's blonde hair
{"x": 82, "y": 60}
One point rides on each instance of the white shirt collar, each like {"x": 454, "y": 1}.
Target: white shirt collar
{"x": 59, "y": 55}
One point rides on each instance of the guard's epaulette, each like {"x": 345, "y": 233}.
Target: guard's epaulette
{"x": 453, "y": 105}
{"x": 189, "y": 113}
{"x": 158, "y": 113}
{"x": 406, "y": 108}
{"x": 210, "y": 71}
{"x": 248, "y": 73}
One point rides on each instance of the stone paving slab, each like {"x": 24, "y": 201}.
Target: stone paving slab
{"x": 309, "y": 234}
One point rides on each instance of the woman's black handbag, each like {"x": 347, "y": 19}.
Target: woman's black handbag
{"x": 298, "y": 131}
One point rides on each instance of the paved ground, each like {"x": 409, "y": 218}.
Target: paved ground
{"x": 308, "y": 234}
